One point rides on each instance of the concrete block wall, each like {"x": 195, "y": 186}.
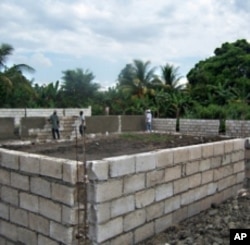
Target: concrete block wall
{"x": 134, "y": 197}
{"x": 199, "y": 127}
{"x": 38, "y": 199}
{"x": 238, "y": 128}
{"x": 166, "y": 124}
{"x": 18, "y": 113}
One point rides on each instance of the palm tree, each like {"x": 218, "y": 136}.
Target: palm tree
{"x": 12, "y": 81}
{"x": 170, "y": 78}
{"x": 136, "y": 79}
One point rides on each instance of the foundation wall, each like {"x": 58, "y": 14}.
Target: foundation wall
{"x": 238, "y": 128}
{"x": 130, "y": 198}
{"x": 135, "y": 197}
{"x": 38, "y": 203}
{"x": 166, "y": 124}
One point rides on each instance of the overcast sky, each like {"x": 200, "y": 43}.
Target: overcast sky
{"x": 104, "y": 35}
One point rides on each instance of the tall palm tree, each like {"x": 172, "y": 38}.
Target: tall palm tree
{"x": 136, "y": 78}
{"x": 171, "y": 78}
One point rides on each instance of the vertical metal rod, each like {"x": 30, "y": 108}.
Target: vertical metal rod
{"x": 85, "y": 186}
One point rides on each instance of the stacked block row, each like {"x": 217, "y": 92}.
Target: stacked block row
{"x": 134, "y": 197}
{"x": 199, "y": 127}
{"x": 168, "y": 125}
{"x": 240, "y": 128}
{"x": 38, "y": 199}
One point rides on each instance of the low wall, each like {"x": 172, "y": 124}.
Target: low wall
{"x": 166, "y": 124}
{"x": 134, "y": 197}
{"x": 31, "y": 123}
{"x": 18, "y": 113}
{"x": 199, "y": 127}
{"x": 7, "y": 128}
{"x": 238, "y": 128}
{"x": 38, "y": 203}
{"x": 130, "y": 198}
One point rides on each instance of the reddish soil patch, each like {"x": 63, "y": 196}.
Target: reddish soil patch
{"x": 100, "y": 147}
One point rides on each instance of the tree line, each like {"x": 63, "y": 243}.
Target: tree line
{"x": 218, "y": 87}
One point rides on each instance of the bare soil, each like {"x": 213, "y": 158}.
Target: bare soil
{"x": 103, "y": 146}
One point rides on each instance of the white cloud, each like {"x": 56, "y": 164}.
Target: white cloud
{"x": 118, "y": 31}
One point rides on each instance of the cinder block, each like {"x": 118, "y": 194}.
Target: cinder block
{"x": 4, "y": 177}
{"x": 155, "y": 177}
{"x": 180, "y": 215}
{"x": 239, "y": 144}
{"x": 155, "y": 210}
{"x": 109, "y": 229}
{"x": 240, "y": 177}
{"x": 207, "y": 150}
{"x": 40, "y": 187}
{"x": 50, "y": 209}
{"x": 134, "y": 183}
{"x": 29, "y": 202}
{"x": 102, "y": 192}
{"x": 205, "y": 164}
{"x": 216, "y": 161}
{"x": 30, "y": 163}
{"x": 10, "y": 159}
{"x": 164, "y": 191}
{"x": 238, "y": 156}
{"x": 207, "y": 176}
{"x": 229, "y": 146}
{"x": 181, "y": 154}
{"x": 122, "y": 206}
{"x": 194, "y": 208}
{"x": 134, "y": 219}
{"x": 194, "y": 180}
{"x": 228, "y": 170}
{"x": 181, "y": 185}
{"x": 4, "y": 211}
{"x": 144, "y": 198}
{"x": 219, "y": 148}
{"x": 192, "y": 167}
{"x": 63, "y": 193}
{"x": 72, "y": 171}
{"x": 126, "y": 238}
{"x": 98, "y": 170}
{"x": 144, "y": 232}
{"x": 164, "y": 158}
{"x": 26, "y": 236}
{"x": 172, "y": 204}
{"x": 42, "y": 240}
{"x": 163, "y": 223}
{"x": 19, "y": 181}
{"x": 39, "y": 224}
{"x": 211, "y": 188}
{"x": 122, "y": 165}
{"x": 218, "y": 173}
{"x": 61, "y": 233}
{"x": 172, "y": 173}
{"x": 19, "y": 216}
{"x": 51, "y": 167}
{"x": 188, "y": 197}
{"x": 226, "y": 182}
{"x": 145, "y": 161}
{"x": 8, "y": 230}
{"x": 199, "y": 192}
{"x": 100, "y": 213}
{"x": 226, "y": 159}
{"x": 72, "y": 215}
{"x": 9, "y": 195}
{"x": 194, "y": 152}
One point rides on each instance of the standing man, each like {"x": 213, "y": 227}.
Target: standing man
{"x": 82, "y": 126}
{"x": 148, "y": 120}
{"x": 55, "y": 124}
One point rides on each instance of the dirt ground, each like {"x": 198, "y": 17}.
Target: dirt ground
{"x": 97, "y": 147}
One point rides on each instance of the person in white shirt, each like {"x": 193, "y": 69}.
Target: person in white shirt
{"x": 148, "y": 120}
{"x": 82, "y": 126}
